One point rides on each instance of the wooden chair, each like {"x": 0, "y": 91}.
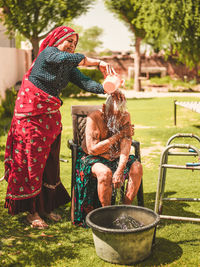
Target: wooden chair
{"x": 79, "y": 114}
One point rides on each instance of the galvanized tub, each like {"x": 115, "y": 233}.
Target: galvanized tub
{"x": 118, "y": 245}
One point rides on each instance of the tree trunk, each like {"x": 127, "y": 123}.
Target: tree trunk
{"x": 35, "y": 44}
{"x": 137, "y": 65}
{"x": 197, "y": 73}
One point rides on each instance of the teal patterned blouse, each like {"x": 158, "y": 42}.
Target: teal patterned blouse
{"x": 53, "y": 69}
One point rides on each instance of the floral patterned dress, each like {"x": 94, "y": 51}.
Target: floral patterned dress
{"x": 86, "y": 196}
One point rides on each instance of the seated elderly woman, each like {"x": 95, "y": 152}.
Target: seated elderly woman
{"x": 104, "y": 160}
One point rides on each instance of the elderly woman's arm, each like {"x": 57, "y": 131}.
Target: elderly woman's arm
{"x": 125, "y": 147}
{"x": 103, "y": 66}
{"x": 94, "y": 145}
{"x": 93, "y": 142}
{"x": 84, "y": 82}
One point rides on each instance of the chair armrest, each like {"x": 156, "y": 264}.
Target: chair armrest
{"x": 71, "y": 145}
{"x": 135, "y": 143}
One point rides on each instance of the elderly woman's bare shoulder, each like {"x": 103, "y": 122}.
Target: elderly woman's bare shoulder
{"x": 127, "y": 114}
{"x": 96, "y": 114}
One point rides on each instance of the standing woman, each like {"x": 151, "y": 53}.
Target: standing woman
{"x": 32, "y": 151}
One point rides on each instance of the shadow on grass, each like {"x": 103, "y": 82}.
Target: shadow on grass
{"x": 163, "y": 252}
{"x": 22, "y": 245}
{"x": 172, "y": 208}
{"x": 196, "y": 126}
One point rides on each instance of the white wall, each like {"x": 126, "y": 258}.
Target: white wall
{"x": 5, "y": 41}
{"x": 13, "y": 65}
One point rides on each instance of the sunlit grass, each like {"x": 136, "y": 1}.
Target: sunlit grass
{"x": 177, "y": 243}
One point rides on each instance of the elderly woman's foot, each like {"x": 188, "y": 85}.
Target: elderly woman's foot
{"x": 36, "y": 221}
{"x": 53, "y": 216}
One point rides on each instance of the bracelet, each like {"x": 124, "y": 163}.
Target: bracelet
{"x": 99, "y": 64}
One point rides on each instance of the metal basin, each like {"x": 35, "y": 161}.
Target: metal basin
{"x": 119, "y": 245}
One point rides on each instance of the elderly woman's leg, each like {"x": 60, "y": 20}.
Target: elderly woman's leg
{"x": 134, "y": 180}
{"x": 104, "y": 178}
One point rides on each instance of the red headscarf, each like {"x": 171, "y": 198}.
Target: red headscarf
{"x": 54, "y": 38}
{"x": 57, "y": 36}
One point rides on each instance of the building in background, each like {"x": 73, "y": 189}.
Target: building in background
{"x": 5, "y": 41}
{"x": 13, "y": 62}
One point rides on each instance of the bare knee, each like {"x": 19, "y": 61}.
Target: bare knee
{"x": 102, "y": 173}
{"x": 136, "y": 170}
{"x": 105, "y": 177}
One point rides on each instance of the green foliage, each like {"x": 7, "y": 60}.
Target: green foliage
{"x": 18, "y": 39}
{"x": 73, "y": 90}
{"x": 128, "y": 11}
{"x": 129, "y": 84}
{"x": 172, "y": 82}
{"x": 106, "y": 52}
{"x": 8, "y": 104}
{"x": 173, "y": 26}
{"x": 89, "y": 39}
{"x": 33, "y": 18}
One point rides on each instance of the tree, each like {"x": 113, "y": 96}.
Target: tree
{"x": 177, "y": 22}
{"x": 172, "y": 25}
{"x": 89, "y": 39}
{"x": 186, "y": 34}
{"x": 34, "y": 19}
{"x": 128, "y": 12}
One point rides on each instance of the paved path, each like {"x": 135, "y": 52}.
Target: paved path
{"x": 134, "y": 94}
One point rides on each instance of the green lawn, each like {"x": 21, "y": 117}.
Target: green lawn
{"x": 177, "y": 243}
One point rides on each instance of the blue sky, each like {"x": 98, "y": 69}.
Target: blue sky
{"x": 115, "y": 36}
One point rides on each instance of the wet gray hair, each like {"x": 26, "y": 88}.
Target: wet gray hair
{"x": 120, "y": 105}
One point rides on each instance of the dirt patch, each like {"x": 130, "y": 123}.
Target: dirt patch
{"x": 156, "y": 148}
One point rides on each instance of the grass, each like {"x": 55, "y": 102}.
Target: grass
{"x": 177, "y": 243}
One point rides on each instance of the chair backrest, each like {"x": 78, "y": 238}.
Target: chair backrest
{"x": 79, "y": 115}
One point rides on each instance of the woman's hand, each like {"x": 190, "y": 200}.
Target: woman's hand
{"x": 106, "y": 68}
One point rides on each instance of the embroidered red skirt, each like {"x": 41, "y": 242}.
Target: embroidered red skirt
{"x": 32, "y": 153}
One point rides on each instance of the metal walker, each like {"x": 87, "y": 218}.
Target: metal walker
{"x": 163, "y": 169}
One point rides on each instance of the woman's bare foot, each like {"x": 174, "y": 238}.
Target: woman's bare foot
{"x": 36, "y": 221}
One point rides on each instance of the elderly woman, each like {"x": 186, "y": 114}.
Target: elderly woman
{"x": 104, "y": 161}
{"x": 33, "y": 144}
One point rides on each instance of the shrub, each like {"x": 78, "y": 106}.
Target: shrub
{"x": 72, "y": 89}
{"x": 8, "y": 104}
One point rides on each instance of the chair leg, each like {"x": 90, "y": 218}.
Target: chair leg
{"x": 72, "y": 204}
{"x": 140, "y": 196}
